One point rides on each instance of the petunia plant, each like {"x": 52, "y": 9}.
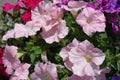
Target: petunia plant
{"x": 60, "y": 40}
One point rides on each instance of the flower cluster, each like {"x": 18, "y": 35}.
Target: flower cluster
{"x": 60, "y": 40}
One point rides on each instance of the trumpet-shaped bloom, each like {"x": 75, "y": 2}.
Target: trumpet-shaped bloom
{"x": 10, "y": 60}
{"x": 115, "y": 77}
{"x": 109, "y": 6}
{"x": 47, "y": 8}
{"x": 49, "y": 17}
{"x": 20, "y": 30}
{"x": 74, "y": 6}
{"x": 75, "y": 77}
{"x": 56, "y": 33}
{"x": 3, "y": 73}
{"x": 91, "y": 20}
{"x": 44, "y": 72}
{"x": 100, "y": 76}
{"x": 84, "y": 57}
{"x": 7, "y": 6}
{"x": 31, "y": 3}
{"x": 21, "y": 73}
{"x": 26, "y": 16}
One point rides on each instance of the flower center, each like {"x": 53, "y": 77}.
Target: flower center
{"x": 88, "y": 58}
{"x": 88, "y": 21}
{"x": 47, "y": 76}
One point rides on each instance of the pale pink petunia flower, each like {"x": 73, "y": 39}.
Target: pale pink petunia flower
{"x": 74, "y": 6}
{"x": 56, "y": 33}
{"x": 49, "y": 17}
{"x": 64, "y": 53}
{"x": 91, "y": 20}
{"x": 21, "y": 73}
{"x": 85, "y": 58}
{"x": 9, "y": 34}
{"x": 10, "y": 60}
{"x": 103, "y": 73}
{"x": 20, "y": 30}
{"x": 47, "y": 8}
{"x": 47, "y": 71}
{"x": 75, "y": 77}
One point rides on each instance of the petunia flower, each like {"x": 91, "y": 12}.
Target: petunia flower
{"x": 20, "y": 30}
{"x": 101, "y": 76}
{"x": 49, "y": 17}
{"x": 91, "y": 20}
{"x": 109, "y": 6}
{"x": 85, "y": 58}
{"x": 103, "y": 72}
{"x": 10, "y": 60}
{"x": 26, "y": 16}
{"x": 3, "y": 73}
{"x": 21, "y": 73}
{"x": 7, "y": 6}
{"x": 15, "y": 7}
{"x": 31, "y": 3}
{"x": 45, "y": 71}
{"x": 75, "y": 77}
{"x": 115, "y": 77}
{"x": 74, "y": 6}
{"x": 56, "y": 33}
{"x": 47, "y": 9}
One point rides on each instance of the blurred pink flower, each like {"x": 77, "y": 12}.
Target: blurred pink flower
{"x": 47, "y": 9}
{"x": 75, "y": 77}
{"x": 47, "y": 71}
{"x": 3, "y": 73}
{"x": 7, "y": 6}
{"x": 85, "y": 59}
{"x": 26, "y": 16}
{"x": 74, "y": 6}
{"x": 21, "y": 73}
{"x": 56, "y": 33}
{"x": 49, "y": 17}
{"x": 31, "y": 3}
{"x": 10, "y": 60}
{"x": 9, "y": 34}
{"x": 91, "y": 20}
{"x": 102, "y": 75}
{"x": 20, "y": 30}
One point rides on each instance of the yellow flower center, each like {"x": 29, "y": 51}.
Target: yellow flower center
{"x": 89, "y": 21}
{"x": 47, "y": 76}
{"x": 88, "y": 58}
{"x": 74, "y": 14}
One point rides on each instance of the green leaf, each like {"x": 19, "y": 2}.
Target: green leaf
{"x": 32, "y": 57}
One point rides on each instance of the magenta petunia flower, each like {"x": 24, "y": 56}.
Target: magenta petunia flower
{"x": 91, "y": 20}
{"x": 47, "y": 71}
{"x": 84, "y": 57}
{"x": 7, "y": 6}
{"x": 21, "y": 73}
{"x": 26, "y": 16}
{"x": 109, "y": 6}
{"x": 10, "y": 60}
{"x": 31, "y": 3}
{"x": 3, "y": 73}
